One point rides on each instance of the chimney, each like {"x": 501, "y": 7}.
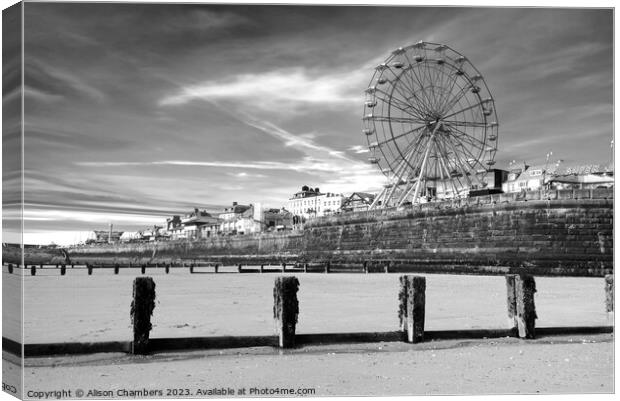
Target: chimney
{"x": 317, "y": 190}
{"x": 234, "y": 203}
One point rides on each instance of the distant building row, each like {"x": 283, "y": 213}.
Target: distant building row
{"x": 311, "y": 202}
{"x": 237, "y": 219}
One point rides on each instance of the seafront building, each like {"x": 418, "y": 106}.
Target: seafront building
{"x": 357, "y": 202}
{"x": 552, "y": 176}
{"x": 237, "y": 219}
{"x": 310, "y": 202}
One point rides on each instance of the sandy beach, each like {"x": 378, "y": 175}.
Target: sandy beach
{"x": 563, "y": 365}
{"x": 82, "y": 308}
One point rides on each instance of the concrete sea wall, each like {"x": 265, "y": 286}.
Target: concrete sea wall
{"x": 550, "y": 233}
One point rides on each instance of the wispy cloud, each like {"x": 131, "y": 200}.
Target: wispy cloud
{"x": 359, "y": 149}
{"x": 53, "y": 82}
{"x": 302, "y": 165}
{"x": 282, "y": 89}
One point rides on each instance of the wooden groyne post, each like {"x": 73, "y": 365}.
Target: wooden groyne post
{"x": 511, "y": 301}
{"x": 142, "y": 307}
{"x": 521, "y": 305}
{"x": 116, "y": 268}
{"x": 33, "y": 270}
{"x": 412, "y": 301}
{"x": 10, "y": 268}
{"x": 63, "y": 270}
{"x": 286, "y": 309}
{"x": 609, "y": 297}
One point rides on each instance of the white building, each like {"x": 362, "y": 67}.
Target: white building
{"x": 528, "y": 178}
{"x": 311, "y": 202}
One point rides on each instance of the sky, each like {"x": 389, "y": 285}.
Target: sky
{"x": 136, "y": 112}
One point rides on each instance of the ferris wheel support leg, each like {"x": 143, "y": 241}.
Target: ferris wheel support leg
{"x": 377, "y": 199}
{"x": 405, "y": 195}
{"x": 423, "y": 168}
{"x": 399, "y": 175}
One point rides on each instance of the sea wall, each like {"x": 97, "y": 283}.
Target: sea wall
{"x": 567, "y": 234}
{"x": 544, "y": 233}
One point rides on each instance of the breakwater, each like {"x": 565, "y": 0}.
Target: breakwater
{"x": 545, "y": 233}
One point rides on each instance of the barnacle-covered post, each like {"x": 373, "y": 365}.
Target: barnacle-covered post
{"x": 609, "y": 297}
{"x": 412, "y": 307}
{"x": 286, "y": 309}
{"x": 511, "y": 301}
{"x": 141, "y": 310}
{"x": 525, "y": 287}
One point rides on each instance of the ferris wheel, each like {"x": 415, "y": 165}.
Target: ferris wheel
{"x": 431, "y": 126}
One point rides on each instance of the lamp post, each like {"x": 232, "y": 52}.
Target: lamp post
{"x": 545, "y": 171}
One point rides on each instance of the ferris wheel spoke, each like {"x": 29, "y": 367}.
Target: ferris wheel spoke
{"x": 453, "y": 82}
{"x": 472, "y": 157}
{"x": 429, "y": 75}
{"x": 398, "y": 105}
{"x": 468, "y": 167}
{"x": 468, "y": 137}
{"x": 472, "y": 124}
{"x": 394, "y": 138}
{"x": 438, "y": 74}
{"x": 416, "y": 112}
{"x": 404, "y": 106}
{"x": 392, "y": 119}
{"x": 426, "y": 100}
{"x": 423, "y": 109}
{"x": 465, "y": 168}
{"x": 415, "y": 158}
{"x": 445, "y": 160}
{"x": 446, "y": 107}
{"x": 402, "y": 174}
{"x": 441, "y": 84}
{"x": 473, "y": 106}
{"x": 455, "y": 163}
{"x": 444, "y": 94}
{"x": 431, "y": 83}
